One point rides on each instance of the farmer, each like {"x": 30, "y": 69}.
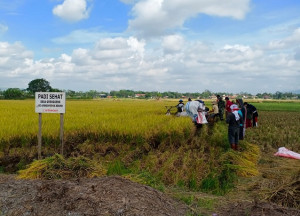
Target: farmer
{"x": 233, "y": 119}
{"x": 196, "y": 111}
{"x": 252, "y": 115}
{"x": 243, "y": 112}
{"x": 228, "y": 103}
{"x": 215, "y": 110}
{"x": 221, "y": 106}
{"x": 180, "y": 106}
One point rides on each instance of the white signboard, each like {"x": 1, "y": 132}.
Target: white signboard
{"x": 50, "y": 102}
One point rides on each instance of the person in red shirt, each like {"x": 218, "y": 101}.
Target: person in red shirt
{"x": 227, "y": 106}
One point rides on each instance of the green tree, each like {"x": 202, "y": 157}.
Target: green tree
{"x": 206, "y": 94}
{"x": 55, "y": 90}
{"x": 39, "y": 85}
{"x": 278, "y": 95}
{"x": 13, "y": 93}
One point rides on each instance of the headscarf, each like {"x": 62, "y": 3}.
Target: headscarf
{"x": 240, "y": 102}
{"x": 234, "y": 109}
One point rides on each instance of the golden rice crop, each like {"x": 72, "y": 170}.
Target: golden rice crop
{"x": 276, "y": 129}
{"x": 118, "y": 120}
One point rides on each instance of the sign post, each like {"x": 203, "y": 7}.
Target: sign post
{"x": 50, "y": 102}
{"x": 40, "y": 137}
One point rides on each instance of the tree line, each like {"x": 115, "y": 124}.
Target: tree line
{"x": 42, "y": 85}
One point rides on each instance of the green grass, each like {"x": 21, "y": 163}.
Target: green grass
{"x": 207, "y": 203}
{"x": 187, "y": 199}
{"x": 117, "y": 168}
{"x": 277, "y": 106}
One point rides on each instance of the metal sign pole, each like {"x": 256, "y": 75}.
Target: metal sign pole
{"x": 62, "y": 133}
{"x": 40, "y": 137}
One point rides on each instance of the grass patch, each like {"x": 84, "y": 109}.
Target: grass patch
{"x": 146, "y": 178}
{"x": 219, "y": 183}
{"x": 117, "y": 168}
{"x": 187, "y": 199}
{"x": 206, "y": 203}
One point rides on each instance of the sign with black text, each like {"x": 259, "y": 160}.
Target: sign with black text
{"x": 50, "y": 102}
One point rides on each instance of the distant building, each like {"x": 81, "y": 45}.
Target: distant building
{"x": 213, "y": 97}
{"x": 140, "y": 95}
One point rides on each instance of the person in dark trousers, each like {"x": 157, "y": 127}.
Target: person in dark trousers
{"x": 252, "y": 114}
{"x": 233, "y": 120}
{"x": 221, "y": 106}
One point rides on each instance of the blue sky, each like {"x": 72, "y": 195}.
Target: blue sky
{"x": 152, "y": 45}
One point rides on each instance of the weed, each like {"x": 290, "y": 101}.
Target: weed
{"x": 145, "y": 177}
{"x": 193, "y": 183}
{"x": 180, "y": 183}
{"x": 219, "y": 182}
{"x": 22, "y": 164}
{"x": 117, "y": 168}
{"x": 206, "y": 203}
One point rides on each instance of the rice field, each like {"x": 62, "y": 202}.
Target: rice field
{"x": 111, "y": 120}
{"x": 135, "y": 138}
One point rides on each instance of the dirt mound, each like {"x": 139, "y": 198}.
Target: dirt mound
{"x": 96, "y": 196}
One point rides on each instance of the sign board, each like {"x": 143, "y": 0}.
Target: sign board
{"x": 50, "y": 102}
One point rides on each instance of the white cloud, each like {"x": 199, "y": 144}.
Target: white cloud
{"x": 78, "y": 36}
{"x": 288, "y": 42}
{"x": 72, "y": 10}
{"x": 154, "y": 17}
{"x": 129, "y": 63}
{"x": 12, "y": 55}
{"x": 137, "y": 47}
{"x": 173, "y": 43}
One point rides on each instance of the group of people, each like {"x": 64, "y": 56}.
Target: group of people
{"x": 239, "y": 115}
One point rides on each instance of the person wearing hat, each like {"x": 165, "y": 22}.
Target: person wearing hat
{"x": 215, "y": 110}
{"x": 180, "y": 106}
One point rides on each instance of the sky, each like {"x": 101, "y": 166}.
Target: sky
{"x": 151, "y": 45}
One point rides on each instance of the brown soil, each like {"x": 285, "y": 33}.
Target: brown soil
{"x": 259, "y": 209}
{"x": 97, "y": 196}
{"x": 108, "y": 196}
